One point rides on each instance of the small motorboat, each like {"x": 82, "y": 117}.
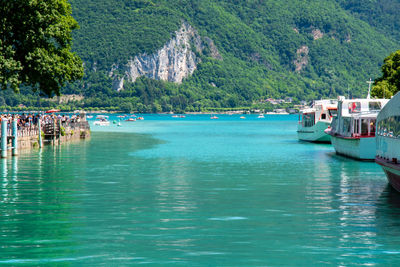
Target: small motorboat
{"x": 140, "y": 118}
{"x": 102, "y": 122}
{"x": 261, "y": 116}
{"x": 242, "y": 117}
{"x": 214, "y": 117}
{"x": 131, "y": 119}
{"x": 89, "y": 117}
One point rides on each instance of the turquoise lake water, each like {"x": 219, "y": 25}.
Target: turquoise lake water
{"x": 196, "y": 192}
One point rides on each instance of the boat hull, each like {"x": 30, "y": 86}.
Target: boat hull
{"x": 392, "y": 172}
{"x": 315, "y": 133}
{"x": 357, "y": 148}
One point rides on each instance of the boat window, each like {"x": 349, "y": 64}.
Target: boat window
{"x": 364, "y": 126}
{"x": 308, "y": 119}
{"x": 323, "y": 116}
{"x": 332, "y": 112}
{"x": 354, "y": 107}
{"x": 346, "y": 127}
{"x": 389, "y": 127}
{"x": 333, "y": 124}
{"x": 374, "y": 106}
{"x": 356, "y": 127}
{"x": 372, "y": 126}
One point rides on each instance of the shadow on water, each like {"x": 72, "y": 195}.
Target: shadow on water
{"x": 125, "y": 141}
{"x": 301, "y": 142}
{"x": 390, "y": 198}
{"x": 43, "y": 191}
{"x": 387, "y": 218}
{"x": 338, "y": 157}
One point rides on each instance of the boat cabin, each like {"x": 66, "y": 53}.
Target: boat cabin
{"x": 357, "y": 117}
{"x": 322, "y": 110}
{"x": 388, "y": 131}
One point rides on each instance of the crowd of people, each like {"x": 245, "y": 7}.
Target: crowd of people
{"x": 27, "y": 124}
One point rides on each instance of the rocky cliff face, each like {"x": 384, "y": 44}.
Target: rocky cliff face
{"x": 175, "y": 61}
{"x": 301, "y": 58}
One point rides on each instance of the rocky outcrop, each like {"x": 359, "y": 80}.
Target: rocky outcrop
{"x": 118, "y": 84}
{"x": 317, "y": 34}
{"x": 301, "y": 58}
{"x": 175, "y": 61}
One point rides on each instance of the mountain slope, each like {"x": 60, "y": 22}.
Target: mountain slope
{"x": 302, "y": 49}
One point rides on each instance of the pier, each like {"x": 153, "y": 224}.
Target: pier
{"x": 20, "y": 132}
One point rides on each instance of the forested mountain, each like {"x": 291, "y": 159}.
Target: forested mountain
{"x": 237, "y": 52}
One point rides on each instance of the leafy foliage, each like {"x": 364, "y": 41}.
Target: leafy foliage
{"x": 35, "y": 45}
{"x": 389, "y": 83}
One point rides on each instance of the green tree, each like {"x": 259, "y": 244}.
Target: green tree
{"x": 126, "y": 107}
{"x": 389, "y": 83}
{"x": 35, "y": 45}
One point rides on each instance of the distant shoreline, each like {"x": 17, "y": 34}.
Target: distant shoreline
{"x": 161, "y": 113}
{"x": 193, "y": 113}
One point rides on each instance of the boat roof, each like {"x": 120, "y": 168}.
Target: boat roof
{"x": 321, "y": 104}
{"x": 370, "y": 114}
{"x": 308, "y": 110}
{"x": 391, "y": 108}
{"x": 363, "y": 109}
{"x": 363, "y": 100}
{"x": 326, "y": 102}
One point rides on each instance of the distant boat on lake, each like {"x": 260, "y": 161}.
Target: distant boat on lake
{"x": 102, "y": 122}
{"x": 178, "y": 116}
{"x": 315, "y": 120}
{"x": 101, "y": 117}
{"x": 214, "y": 117}
{"x": 388, "y": 141}
{"x": 261, "y": 116}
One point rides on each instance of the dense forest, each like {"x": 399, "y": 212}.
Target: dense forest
{"x": 300, "y": 49}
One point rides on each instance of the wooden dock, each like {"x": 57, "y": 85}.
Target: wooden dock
{"x": 51, "y": 130}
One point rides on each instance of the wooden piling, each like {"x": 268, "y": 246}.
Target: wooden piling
{"x": 4, "y": 138}
{"x": 40, "y": 133}
{"x": 15, "y": 138}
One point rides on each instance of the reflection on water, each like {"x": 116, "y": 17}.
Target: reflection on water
{"x": 125, "y": 198}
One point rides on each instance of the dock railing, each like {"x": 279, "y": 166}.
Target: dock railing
{"x": 50, "y": 127}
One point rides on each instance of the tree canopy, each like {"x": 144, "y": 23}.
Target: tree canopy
{"x": 389, "y": 83}
{"x": 35, "y": 45}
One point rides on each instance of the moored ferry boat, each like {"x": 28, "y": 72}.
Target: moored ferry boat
{"x": 313, "y": 121}
{"x": 388, "y": 141}
{"x": 352, "y": 131}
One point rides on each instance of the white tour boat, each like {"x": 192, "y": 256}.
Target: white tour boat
{"x": 388, "y": 141}
{"x": 353, "y": 129}
{"x": 313, "y": 121}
